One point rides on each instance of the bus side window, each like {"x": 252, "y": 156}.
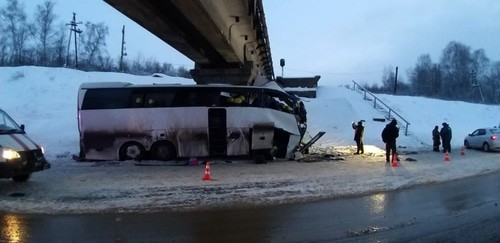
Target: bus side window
{"x": 255, "y": 100}
{"x": 137, "y": 100}
{"x": 208, "y": 99}
{"x": 151, "y": 102}
{"x": 180, "y": 99}
{"x": 160, "y": 99}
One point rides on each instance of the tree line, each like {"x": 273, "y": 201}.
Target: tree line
{"x": 461, "y": 74}
{"x": 42, "y": 41}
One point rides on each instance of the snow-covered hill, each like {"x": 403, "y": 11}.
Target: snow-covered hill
{"x": 44, "y": 99}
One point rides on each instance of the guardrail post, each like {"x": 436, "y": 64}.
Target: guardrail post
{"x": 406, "y": 130}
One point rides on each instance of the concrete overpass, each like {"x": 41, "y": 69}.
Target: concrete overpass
{"x": 226, "y": 39}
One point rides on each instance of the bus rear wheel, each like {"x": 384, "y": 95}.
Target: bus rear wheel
{"x": 163, "y": 151}
{"x": 132, "y": 151}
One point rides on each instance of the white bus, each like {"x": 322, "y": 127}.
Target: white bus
{"x": 124, "y": 121}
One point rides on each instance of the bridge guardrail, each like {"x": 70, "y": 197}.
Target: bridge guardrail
{"x": 381, "y": 104}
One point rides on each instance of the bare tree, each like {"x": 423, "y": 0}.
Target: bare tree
{"x": 436, "y": 77}
{"x": 420, "y": 76}
{"x": 168, "y": 69}
{"x": 183, "y": 72}
{"x": 152, "y": 66}
{"x": 479, "y": 72}
{"x": 425, "y": 78}
{"x": 93, "y": 42}
{"x": 16, "y": 31}
{"x": 60, "y": 47}
{"x": 388, "y": 77}
{"x": 492, "y": 84}
{"x": 456, "y": 67}
{"x": 137, "y": 65}
{"x": 43, "y": 32}
{"x": 3, "y": 47}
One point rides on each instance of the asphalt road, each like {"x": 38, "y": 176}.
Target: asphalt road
{"x": 465, "y": 210}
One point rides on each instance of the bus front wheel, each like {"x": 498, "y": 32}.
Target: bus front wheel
{"x": 163, "y": 151}
{"x": 132, "y": 151}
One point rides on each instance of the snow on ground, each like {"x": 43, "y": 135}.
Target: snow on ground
{"x": 44, "y": 99}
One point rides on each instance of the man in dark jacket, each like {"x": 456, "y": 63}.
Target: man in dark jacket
{"x": 389, "y": 135}
{"x": 446, "y": 137}
{"x": 359, "y": 130}
{"x": 435, "y": 139}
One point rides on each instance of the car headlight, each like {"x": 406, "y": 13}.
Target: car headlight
{"x": 10, "y": 154}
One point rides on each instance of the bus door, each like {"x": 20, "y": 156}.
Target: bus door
{"x": 217, "y": 131}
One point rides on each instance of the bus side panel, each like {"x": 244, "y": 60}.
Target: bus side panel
{"x": 238, "y": 143}
{"x": 192, "y": 142}
{"x": 103, "y": 132}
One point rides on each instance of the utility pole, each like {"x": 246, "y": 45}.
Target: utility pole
{"x": 475, "y": 84}
{"x": 73, "y": 30}
{"x": 396, "y": 80}
{"x": 123, "y": 53}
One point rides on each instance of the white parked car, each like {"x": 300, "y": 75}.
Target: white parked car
{"x": 484, "y": 138}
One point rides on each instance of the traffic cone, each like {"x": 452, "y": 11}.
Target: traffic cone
{"x": 446, "y": 156}
{"x": 394, "y": 160}
{"x": 207, "y": 176}
{"x": 462, "y": 152}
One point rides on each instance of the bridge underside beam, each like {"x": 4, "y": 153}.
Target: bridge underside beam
{"x": 242, "y": 75}
{"x": 222, "y": 35}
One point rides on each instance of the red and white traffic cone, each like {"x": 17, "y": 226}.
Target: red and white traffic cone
{"x": 394, "y": 160}
{"x": 207, "y": 176}
{"x": 446, "y": 156}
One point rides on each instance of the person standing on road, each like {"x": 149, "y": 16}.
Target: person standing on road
{"x": 359, "y": 131}
{"x": 436, "y": 139}
{"x": 389, "y": 135}
{"x": 446, "y": 137}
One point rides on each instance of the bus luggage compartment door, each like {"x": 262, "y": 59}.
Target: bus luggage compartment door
{"x": 217, "y": 131}
{"x": 262, "y": 136}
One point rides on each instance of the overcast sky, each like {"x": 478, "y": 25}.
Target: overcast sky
{"x": 339, "y": 40}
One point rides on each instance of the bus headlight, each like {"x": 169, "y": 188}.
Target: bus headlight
{"x": 10, "y": 154}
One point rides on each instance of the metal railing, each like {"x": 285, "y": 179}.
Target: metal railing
{"x": 380, "y": 103}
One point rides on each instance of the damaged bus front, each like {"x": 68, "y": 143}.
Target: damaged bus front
{"x": 123, "y": 121}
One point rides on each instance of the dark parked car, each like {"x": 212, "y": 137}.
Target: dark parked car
{"x": 486, "y": 139}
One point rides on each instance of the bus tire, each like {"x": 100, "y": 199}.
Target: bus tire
{"x": 132, "y": 151}
{"x": 259, "y": 156}
{"x": 163, "y": 150}
{"x": 21, "y": 178}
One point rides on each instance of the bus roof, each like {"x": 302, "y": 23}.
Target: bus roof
{"x": 97, "y": 85}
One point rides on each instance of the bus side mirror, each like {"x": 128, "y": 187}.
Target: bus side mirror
{"x": 22, "y": 127}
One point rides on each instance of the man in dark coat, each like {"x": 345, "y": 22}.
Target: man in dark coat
{"x": 446, "y": 137}
{"x": 436, "y": 139}
{"x": 359, "y": 131}
{"x": 389, "y": 135}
